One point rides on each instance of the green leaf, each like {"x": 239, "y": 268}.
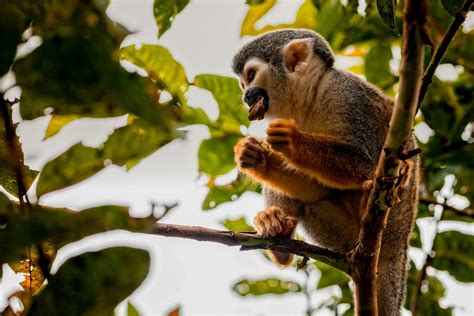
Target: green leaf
{"x": 129, "y": 143}
{"x": 93, "y": 283}
{"x": 59, "y": 226}
{"x": 452, "y": 6}
{"x": 161, "y": 67}
{"x": 377, "y": 66}
{"x": 165, "y": 12}
{"x": 330, "y": 276}
{"x": 11, "y": 28}
{"x": 228, "y": 95}
{"x": 131, "y": 310}
{"x": 8, "y": 179}
{"x": 219, "y": 194}
{"x": 240, "y": 224}
{"x": 191, "y": 116}
{"x": 216, "y": 155}
{"x": 265, "y": 286}
{"x": 386, "y": 10}
{"x": 331, "y": 18}
{"x": 76, "y": 69}
{"x": 455, "y": 254}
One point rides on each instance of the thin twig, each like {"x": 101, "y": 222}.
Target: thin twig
{"x": 458, "y": 20}
{"x": 251, "y": 241}
{"x": 466, "y": 212}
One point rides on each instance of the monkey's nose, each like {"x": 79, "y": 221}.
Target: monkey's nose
{"x": 253, "y": 94}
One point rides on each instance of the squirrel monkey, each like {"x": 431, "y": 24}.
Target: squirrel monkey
{"x": 326, "y": 132}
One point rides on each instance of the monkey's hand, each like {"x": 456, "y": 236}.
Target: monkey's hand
{"x": 274, "y": 222}
{"x": 282, "y": 136}
{"x": 250, "y": 156}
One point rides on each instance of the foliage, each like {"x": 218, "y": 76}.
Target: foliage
{"x": 75, "y": 72}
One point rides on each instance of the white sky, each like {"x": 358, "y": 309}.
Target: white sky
{"x": 197, "y": 276}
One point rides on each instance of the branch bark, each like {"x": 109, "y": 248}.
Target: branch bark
{"x": 364, "y": 258}
{"x": 458, "y": 20}
{"x": 250, "y": 241}
{"x": 13, "y": 150}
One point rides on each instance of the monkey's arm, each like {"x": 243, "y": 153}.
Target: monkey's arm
{"x": 265, "y": 165}
{"x": 335, "y": 163}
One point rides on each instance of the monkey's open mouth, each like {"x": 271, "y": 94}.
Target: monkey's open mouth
{"x": 257, "y": 100}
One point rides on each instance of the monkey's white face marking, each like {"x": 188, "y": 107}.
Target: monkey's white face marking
{"x": 253, "y": 74}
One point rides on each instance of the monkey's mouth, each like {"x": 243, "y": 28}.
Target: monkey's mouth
{"x": 257, "y": 100}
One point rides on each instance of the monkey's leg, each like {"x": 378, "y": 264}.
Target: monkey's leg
{"x": 332, "y": 223}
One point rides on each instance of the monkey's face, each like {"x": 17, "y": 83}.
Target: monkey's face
{"x": 279, "y": 88}
{"x": 257, "y": 82}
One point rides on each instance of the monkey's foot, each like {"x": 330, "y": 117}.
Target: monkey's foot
{"x": 282, "y": 135}
{"x": 274, "y": 222}
{"x": 250, "y": 154}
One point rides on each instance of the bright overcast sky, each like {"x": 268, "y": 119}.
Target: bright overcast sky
{"x": 197, "y": 276}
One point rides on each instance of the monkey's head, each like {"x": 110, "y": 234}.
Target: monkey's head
{"x": 275, "y": 66}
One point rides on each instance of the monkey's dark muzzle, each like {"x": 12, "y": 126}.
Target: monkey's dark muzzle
{"x": 257, "y": 100}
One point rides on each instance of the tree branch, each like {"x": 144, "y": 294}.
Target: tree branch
{"x": 13, "y": 150}
{"x": 250, "y": 241}
{"x": 459, "y": 18}
{"x": 364, "y": 258}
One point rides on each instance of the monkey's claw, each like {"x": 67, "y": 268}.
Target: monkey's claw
{"x": 274, "y": 222}
{"x": 250, "y": 154}
{"x": 281, "y": 136}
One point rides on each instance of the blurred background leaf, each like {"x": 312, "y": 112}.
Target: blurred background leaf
{"x": 93, "y": 283}
{"x": 265, "y": 286}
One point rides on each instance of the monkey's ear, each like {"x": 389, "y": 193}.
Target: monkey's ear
{"x": 296, "y": 54}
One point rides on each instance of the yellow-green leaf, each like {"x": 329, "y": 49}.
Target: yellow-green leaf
{"x": 132, "y": 142}
{"x": 227, "y": 93}
{"x": 265, "y": 286}
{"x": 216, "y": 155}
{"x": 161, "y": 67}
{"x": 165, "y": 12}
{"x": 219, "y": 194}
{"x": 239, "y": 224}
{"x": 57, "y": 122}
{"x": 255, "y": 13}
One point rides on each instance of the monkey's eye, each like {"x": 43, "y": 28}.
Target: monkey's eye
{"x": 251, "y": 76}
